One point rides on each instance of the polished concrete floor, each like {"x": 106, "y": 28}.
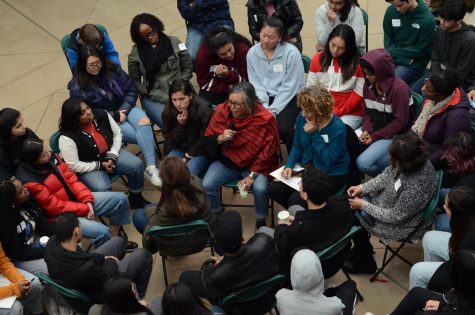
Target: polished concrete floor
{"x": 34, "y": 75}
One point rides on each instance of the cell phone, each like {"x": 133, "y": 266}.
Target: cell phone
{"x": 297, "y": 172}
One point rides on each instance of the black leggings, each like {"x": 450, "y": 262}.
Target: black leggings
{"x": 346, "y": 292}
{"x": 286, "y": 121}
{"x": 415, "y": 301}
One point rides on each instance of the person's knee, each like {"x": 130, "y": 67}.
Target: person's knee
{"x": 144, "y": 121}
{"x": 428, "y": 239}
{"x": 16, "y": 309}
{"x": 103, "y": 234}
{"x": 415, "y": 276}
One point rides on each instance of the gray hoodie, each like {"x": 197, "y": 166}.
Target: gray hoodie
{"x": 307, "y": 296}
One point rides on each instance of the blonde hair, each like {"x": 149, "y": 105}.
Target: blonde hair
{"x": 317, "y": 101}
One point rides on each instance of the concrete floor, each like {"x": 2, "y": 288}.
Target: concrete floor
{"x": 34, "y": 75}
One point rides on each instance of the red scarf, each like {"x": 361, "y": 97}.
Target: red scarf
{"x": 256, "y": 142}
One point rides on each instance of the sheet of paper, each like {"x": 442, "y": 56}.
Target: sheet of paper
{"x": 7, "y": 302}
{"x": 293, "y": 181}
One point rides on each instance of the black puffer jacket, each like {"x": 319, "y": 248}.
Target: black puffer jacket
{"x": 287, "y": 10}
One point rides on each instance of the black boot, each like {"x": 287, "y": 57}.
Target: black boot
{"x": 136, "y": 201}
{"x": 362, "y": 261}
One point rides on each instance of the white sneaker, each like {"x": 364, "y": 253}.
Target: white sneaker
{"x": 152, "y": 175}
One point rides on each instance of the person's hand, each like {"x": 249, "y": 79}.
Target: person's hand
{"x": 310, "y": 127}
{"x": 291, "y": 218}
{"x": 354, "y": 191}
{"x": 471, "y": 95}
{"x": 90, "y": 214}
{"x": 222, "y": 71}
{"x": 286, "y": 172}
{"x": 293, "y": 39}
{"x": 432, "y": 305}
{"x": 144, "y": 303}
{"x": 217, "y": 259}
{"x": 331, "y": 15}
{"x": 113, "y": 258}
{"x": 227, "y": 135}
{"x": 122, "y": 115}
{"x": 427, "y": 2}
{"x": 283, "y": 222}
{"x": 319, "y": 47}
{"x": 365, "y": 138}
{"x": 246, "y": 183}
{"x": 24, "y": 286}
{"x": 182, "y": 117}
{"x": 356, "y": 203}
{"x": 108, "y": 166}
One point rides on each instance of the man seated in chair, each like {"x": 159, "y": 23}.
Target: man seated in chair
{"x": 326, "y": 221}
{"x": 241, "y": 266}
{"x": 72, "y": 267}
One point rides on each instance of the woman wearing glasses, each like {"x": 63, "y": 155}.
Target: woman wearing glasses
{"x": 156, "y": 60}
{"x": 243, "y": 139}
{"x": 103, "y": 85}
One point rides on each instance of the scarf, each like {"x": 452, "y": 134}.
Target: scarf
{"x": 428, "y": 111}
{"x": 153, "y": 57}
{"x": 256, "y": 142}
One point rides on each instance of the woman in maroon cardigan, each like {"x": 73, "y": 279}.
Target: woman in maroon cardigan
{"x": 221, "y": 63}
{"x": 244, "y": 138}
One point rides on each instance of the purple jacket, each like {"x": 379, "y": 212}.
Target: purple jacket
{"x": 388, "y": 115}
{"x": 454, "y": 117}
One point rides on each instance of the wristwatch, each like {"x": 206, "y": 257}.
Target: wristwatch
{"x": 253, "y": 175}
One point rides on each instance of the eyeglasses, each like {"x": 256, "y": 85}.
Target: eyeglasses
{"x": 94, "y": 66}
{"x": 236, "y": 104}
{"x": 150, "y": 33}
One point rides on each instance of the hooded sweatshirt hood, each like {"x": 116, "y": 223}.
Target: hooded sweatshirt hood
{"x": 308, "y": 283}
{"x": 383, "y": 66}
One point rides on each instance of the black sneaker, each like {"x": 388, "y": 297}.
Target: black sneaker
{"x": 260, "y": 222}
{"x": 361, "y": 266}
{"x": 136, "y": 201}
{"x": 131, "y": 246}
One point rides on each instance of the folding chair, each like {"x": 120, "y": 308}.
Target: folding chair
{"x": 417, "y": 101}
{"x": 306, "y": 63}
{"x": 254, "y": 292}
{"x": 332, "y": 250}
{"x": 426, "y": 217}
{"x": 189, "y": 229}
{"x": 78, "y": 300}
{"x": 233, "y": 185}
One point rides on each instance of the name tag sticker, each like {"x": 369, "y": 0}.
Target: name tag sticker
{"x": 212, "y": 68}
{"x": 278, "y": 68}
{"x": 325, "y": 138}
{"x": 182, "y": 46}
{"x": 443, "y": 67}
{"x": 396, "y": 22}
{"x": 397, "y": 184}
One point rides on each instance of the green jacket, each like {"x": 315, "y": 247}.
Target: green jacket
{"x": 178, "y": 66}
{"x": 184, "y": 245}
{"x": 409, "y": 37}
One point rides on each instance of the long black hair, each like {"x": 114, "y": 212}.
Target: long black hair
{"x": 7, "y": 203}
{"x": 347, "y": 8}
{"x": 178, "y": 299}
{"x": 8, "y": 119}
{"x": 221, "y": 36}
{"x": 119, "y": 297}
{"x": 350, "y": 59}
{"x": 85, "y": 79}
{"x": 31, "y": 151}
{"x": 70, "y": 111}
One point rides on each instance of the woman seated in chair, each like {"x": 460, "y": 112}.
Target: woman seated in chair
{"x": 12, "y": 134}
{"x": 182, "y": 200}
{"x": 386, "y": 111}
{"x": 155, "y": 61}
{"x": 90, "y": 144}
{"x": 319, "y": 140}
{"x": 220, "y": 63}
{"x": 440, "y": 247}
{"x": 57, "y": 189}
{"x": 185, "y": 119}
{"x": 243, "y": 138}
{"x": 391, "y": 205}
{"x": 275, "y": 69}
{"x": 338, "y": 69}
{"x": 335, "y": 12}
{"x": 445, "y": 112}
{"x": 21, "y": 227}
{"x": 102, "y": 85}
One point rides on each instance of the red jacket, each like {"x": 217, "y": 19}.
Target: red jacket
{"x": 51, "y": 195}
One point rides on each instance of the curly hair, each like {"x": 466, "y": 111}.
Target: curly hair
{"x": 317, "y": 101}
{"x": 408, "y": 153}
{"x": 145, "y": 18}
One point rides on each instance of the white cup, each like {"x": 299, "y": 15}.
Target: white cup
{"x": 243, "y": 192}
{"x": 283, "y": 216}
{"x": 43, "y": 241}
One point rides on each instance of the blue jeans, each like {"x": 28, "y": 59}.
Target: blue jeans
{"x": 375, "y": 158}
{"x": 133, "y": 132}
{"x": 154, "y": 110}
{"x": 114, "y": 205}
{"x": 408, "y": 74}
{"x": 197, "y": 165}
{"x": 30, "y": 301}
{"x": 139, "y": 219}
{"x": 417, "y": 85}
{"x": 436, "y": 252}
{"x": 218, "y": 174}
{"x": 126, "y": 164}
{"x": 194, "y": 38}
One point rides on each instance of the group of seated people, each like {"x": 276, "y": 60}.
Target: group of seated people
{"x": 354, "y": 114}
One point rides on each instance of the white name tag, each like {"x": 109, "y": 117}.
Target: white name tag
{"x": 397, "y": 184}
{"x": 182, "y": 46}
{"x": 325, "y": 138}
{"x": 415, "y": 25}
{"x": 396, "y": 22}
{"x": 278, "y": 68}
{"x": 212, "y": 68}
{"x": 443, "y": 67}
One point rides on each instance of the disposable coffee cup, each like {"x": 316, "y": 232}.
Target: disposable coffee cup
{"x": 242, "y": 191}
{"x": 43, "y": 241}
{"x": 284, "y": 216}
